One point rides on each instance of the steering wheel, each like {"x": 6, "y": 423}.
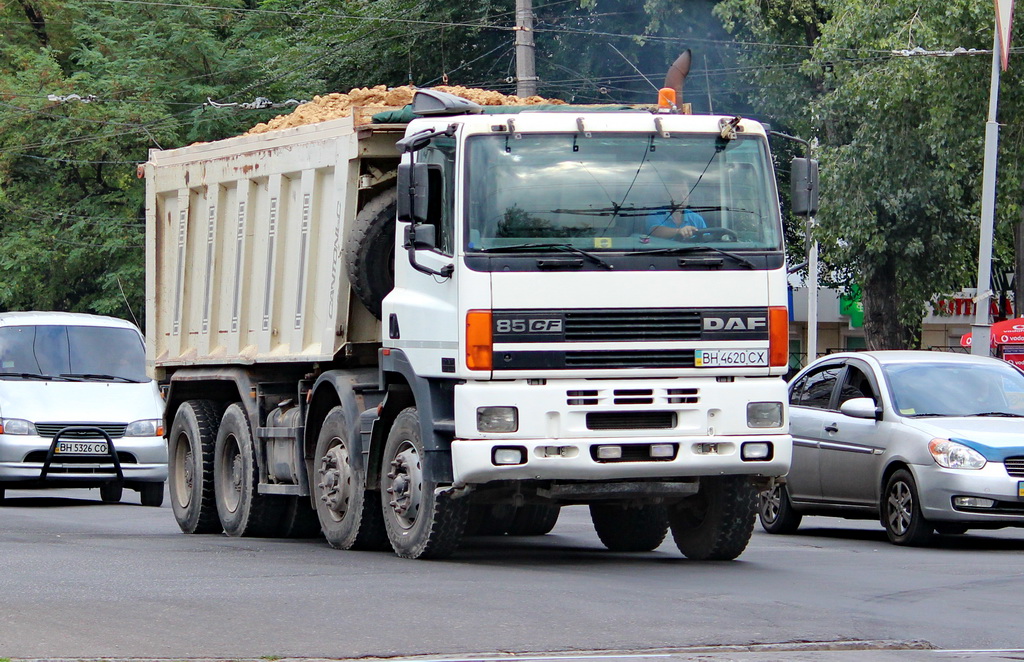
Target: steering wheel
{"x": 713, "y": 234}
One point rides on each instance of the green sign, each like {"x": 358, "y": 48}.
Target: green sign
{"x": 851, "y": 306}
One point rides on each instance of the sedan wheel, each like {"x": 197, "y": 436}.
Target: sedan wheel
{"x": 902, "y": 518}
{"x": 775, "y": 510}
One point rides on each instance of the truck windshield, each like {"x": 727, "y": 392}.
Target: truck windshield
{"x": 621, "y": 192}
{"x": 72, "y": 352}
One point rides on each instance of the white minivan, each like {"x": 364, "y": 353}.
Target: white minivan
{"x": 77, "y": 408}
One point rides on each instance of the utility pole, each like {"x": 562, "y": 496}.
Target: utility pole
{"x": 526, "y": 71}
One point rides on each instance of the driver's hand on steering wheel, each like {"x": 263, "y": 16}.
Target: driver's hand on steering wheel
{"x": 685, "y": 232}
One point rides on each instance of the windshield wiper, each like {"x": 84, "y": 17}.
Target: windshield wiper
{"x": 926, "y": 414}
{"x": 565, "y": 248}
{"x": 31, "y": 375}
{"x": 675, "y": 250}
{"x": 91, "y": 375}
{"x": 1006, "y": 414}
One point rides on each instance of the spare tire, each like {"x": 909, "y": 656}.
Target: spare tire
{"x": 370, "y": 253}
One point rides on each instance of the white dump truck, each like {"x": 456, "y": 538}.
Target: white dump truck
{"x": 406, "y": 332}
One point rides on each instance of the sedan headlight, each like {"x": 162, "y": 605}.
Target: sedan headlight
{"x": 152, "y": 427}
{"x": 16, "y": 426}
{"x": 951, "y": 455}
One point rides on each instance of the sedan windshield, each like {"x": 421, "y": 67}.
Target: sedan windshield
{"x": 88, "y": 353}
{"x": 620, "y": 192}
{"x": 956, "y": 389}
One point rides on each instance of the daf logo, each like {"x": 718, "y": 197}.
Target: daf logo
{"x": 735, "y": 323}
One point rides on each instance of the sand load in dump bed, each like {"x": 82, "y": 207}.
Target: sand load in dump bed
{"x": 363, "y": 102}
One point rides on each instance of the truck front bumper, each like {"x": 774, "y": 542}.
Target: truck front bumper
{"x": 478, "y": 461}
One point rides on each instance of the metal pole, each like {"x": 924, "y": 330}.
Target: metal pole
{"x": 526, "y": 72}
{"x": 812, "y": 294}
{"x": 981, "y": 329}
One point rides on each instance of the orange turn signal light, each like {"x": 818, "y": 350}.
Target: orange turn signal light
{"x": 778, "y": 336}
{"x": 479, "y": 340}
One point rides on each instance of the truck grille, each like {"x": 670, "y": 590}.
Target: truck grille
{"x": 631, "y": 396}
{"x": 633, "y": 325}
{"x": 681, "y": 358}
{"x": 49, "y": 430}
{"x": 631, "y": 420}
{"x": 1015, "y": 466}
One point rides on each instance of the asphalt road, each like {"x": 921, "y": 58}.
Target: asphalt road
{"x": 83, "y": 579}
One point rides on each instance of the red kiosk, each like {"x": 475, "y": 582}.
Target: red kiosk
{"x": 1007, "y": 340}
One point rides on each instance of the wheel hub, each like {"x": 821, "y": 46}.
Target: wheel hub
{"x": 900, "y": 508}
{"x": 335, "y": 481}
{"x": 406, "y": 485}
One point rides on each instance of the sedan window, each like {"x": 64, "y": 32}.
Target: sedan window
{"x": 856, "y": 384}
{"x": 815, "y": 390}
{"x": 938, "y": 389}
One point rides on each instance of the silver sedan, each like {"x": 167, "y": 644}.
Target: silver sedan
{"x": 922, "y": 441}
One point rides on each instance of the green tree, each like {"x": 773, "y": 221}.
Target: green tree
{"x": 901, "y": 143}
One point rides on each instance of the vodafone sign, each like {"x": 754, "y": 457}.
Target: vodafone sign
{"x": 1007, "y": 332}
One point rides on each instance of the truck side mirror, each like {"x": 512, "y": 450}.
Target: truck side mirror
{"x": 413, "y": 192}
{"x": 424, "y": 238}
{"x": 804, "y": 181}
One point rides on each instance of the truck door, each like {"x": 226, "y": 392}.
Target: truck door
{"x": 421, "y": 313}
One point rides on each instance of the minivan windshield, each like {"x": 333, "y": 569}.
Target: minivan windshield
{"x": 620, "y": 192}
{"x": 90, "y": 353}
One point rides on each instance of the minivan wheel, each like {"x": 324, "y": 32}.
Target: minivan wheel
{"x": 901, "y": 511}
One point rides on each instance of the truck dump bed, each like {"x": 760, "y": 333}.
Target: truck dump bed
{"x": 246, "y": 240}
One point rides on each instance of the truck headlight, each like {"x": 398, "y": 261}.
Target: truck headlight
{"x": 152, "y": 427}
{"x": 764, "y": 414}
{"x": 497, "y": 419}
{"x": 16, "y": 426}
{"x": 951, "y": 455}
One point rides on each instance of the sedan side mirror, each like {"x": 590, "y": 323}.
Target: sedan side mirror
{"x": 861, "y": 408}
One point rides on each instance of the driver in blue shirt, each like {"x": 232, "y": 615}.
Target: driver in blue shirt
{"x": 675, "y": 221}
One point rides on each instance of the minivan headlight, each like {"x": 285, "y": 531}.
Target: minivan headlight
{"x": 151, "y": 427}
{"x": 951, "y": 455}
{"x": 16, "y": 426}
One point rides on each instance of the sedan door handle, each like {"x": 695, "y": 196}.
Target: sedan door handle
{"x": 831, "y": 428}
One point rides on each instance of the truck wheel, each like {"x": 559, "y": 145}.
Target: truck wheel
{"x": 534, "y": 519}
{"x": 776, "y": 511}
{"x": 420, "y": 521}
{"x": 111, "y": 492}
{"x": 349, "y": 515}
{"x": 190, "y": 470}
{"x": 242, "y": 510}
{"x": 716, "y": 523}
{"x": 152, "y": 494}
{"x": 370, "y": 254}
{"x": 491, "y": 519}
{"x": 630, "y": 529}
{"x": 300, "y": 519}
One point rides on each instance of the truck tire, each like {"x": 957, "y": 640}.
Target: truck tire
{"x": 190, "y": 469}
{"x": 370, "y": 253}
{"x": 349, "y": 515}
{"x": 534, "y": 519}
{"x": 111, "y": 492}
{"x": 152, "y": 494}
{"x": 490, "y": 519}
{"x": 623, "y": 529}
{"x": 242, "y": 510}
{"x": 421, "y": 522}
{"x": 775, "y": 510}
{"x": 716, "y": 523}
{"x": 299, "y": 519}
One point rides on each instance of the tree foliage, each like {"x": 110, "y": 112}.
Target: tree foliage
{"x": 901, "y": 142}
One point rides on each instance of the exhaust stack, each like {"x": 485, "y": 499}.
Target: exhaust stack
{"x": 676, "y": 75}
